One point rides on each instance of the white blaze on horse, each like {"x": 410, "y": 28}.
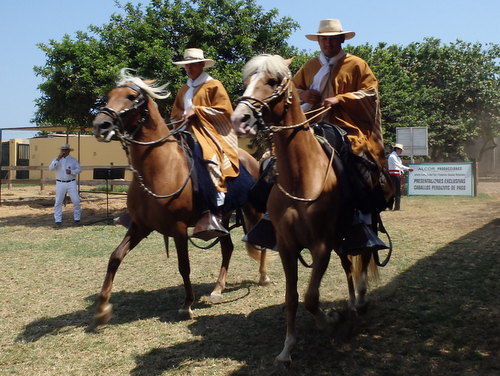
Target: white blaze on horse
{"x": 305, "y": 204}
{"x": 160, "y": 197}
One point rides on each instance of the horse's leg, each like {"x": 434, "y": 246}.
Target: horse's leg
{"x": 181, "y": 245}
{"x": 289, "y": 261}
{"x": 104, "y": 308}
{"x": 321, "y": 258}
{"x": 227, "y": 247}
{"x": 362, "y": 281}
{"x": 351, "y": 301}
{"x": 252, "y": 216}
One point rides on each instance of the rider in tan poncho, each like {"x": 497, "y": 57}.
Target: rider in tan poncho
{"x": 206, "y": 106}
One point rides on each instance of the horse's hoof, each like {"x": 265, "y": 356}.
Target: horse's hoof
{"x": 264, "y": 281}
{"x": 103, "y": 317}
{"x": 362, "y": 308}
{"x": 185, "y": 314}
{"x": 215, "y": 297}
{"x": 283, "y": 364}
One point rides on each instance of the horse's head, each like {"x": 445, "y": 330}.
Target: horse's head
{"x": 126, "y": 108}
{"x": 267, "y": 79}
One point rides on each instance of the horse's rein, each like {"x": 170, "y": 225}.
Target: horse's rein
{"x": 282, "y": 88}
{"x": 116, "y": 116}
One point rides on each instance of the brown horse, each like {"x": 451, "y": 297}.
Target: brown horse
{"x": 160, "y": 196}
{"x": 305, "y": 203}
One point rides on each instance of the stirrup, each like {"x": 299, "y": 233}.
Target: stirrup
{"x": 262, "y": 234}
{"x": 361, "y": 238}
{"x": 208, "y": 227}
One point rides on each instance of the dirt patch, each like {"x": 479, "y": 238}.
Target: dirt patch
{"x": 29, "y": 204}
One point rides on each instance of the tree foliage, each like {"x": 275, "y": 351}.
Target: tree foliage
{"x": 147, "y": 39}
{"x": 452, "y": 89}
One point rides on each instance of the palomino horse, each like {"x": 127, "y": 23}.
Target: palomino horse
{"x": 160, "y": 196}
{"x": 305, "y": 202}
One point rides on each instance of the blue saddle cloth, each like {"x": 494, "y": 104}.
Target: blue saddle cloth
{"x": 206, "y": 193}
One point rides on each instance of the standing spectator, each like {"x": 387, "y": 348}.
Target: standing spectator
{"x": 396, "y": 169}
{"x": 66, "y": 168}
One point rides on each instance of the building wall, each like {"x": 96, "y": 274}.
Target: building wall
{"x": 87, "y": 150}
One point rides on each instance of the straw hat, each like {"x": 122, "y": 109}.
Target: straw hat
{"x": 194, "y": 55}
{"x": 65, "y": 147}
{"x": 399, "y": 146}
{"x": 330, "y": 28}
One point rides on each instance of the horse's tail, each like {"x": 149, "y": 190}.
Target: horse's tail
{"x": 371, "y": 269}
{"x": 255, "y": 252}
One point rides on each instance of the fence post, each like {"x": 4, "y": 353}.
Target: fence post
{"x": 42, "y": 186}
{"x": 475, "y": 175}
{"x": 9, "y": 177}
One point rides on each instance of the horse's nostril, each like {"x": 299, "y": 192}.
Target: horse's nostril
{"x": 245, "y": 118}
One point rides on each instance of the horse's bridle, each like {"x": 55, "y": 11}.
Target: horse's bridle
{"x": 257, "y": 106}
{"x": 126, "y": 139}
{"x": 117, "y": 116}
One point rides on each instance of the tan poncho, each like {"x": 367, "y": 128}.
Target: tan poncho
{"x": 354, "y": 84}
{"x": 213, "y": 129}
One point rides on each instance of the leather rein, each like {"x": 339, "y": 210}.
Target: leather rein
{"x": 257, "y": 106}
{"x": 126, "y": 139}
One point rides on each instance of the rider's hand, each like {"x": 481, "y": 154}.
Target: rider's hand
{"x": 310, "y": 96}
{"x": 330, "y": 102}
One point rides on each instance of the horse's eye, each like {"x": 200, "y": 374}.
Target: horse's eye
{"x": 272, "y": 82}
{"x": 131, "y": 97}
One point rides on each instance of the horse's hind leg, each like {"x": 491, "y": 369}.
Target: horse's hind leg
{"x": 260, "y": 255}
{"x": 361, "y": 277}
{"x": 227, "y": 248}
{"x": 104, "y": 308}
{"x": 351, "y": 301}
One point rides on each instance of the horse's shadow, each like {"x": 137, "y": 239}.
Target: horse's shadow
{"x": 406, "y": 316}
{"x": 162, "y": 304}
{"x": 443, "y": 302}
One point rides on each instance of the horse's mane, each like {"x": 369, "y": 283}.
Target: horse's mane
{"x": 149, "y": 86}
{"x": 273, "y": 64}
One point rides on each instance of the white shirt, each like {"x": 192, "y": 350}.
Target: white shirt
{"x": 396, "y": 166}
{"x": 60, "y": 166}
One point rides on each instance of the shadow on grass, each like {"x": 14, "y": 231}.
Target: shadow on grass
{"x": 440, "y": 317}
{"x": 162, "y": 304}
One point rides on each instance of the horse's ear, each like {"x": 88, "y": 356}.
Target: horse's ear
{"x": 289, "y": 61}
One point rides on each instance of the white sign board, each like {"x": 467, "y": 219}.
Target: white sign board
{"x": 444, "y": 179}
{"x": 414, "y": 140}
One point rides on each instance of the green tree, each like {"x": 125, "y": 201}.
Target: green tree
{"x": 147, "y": 39}
{"x": 452, "y": 89}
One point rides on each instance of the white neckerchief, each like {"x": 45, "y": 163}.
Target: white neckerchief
{"x": 193, "y": 85}
{"x": 321, "y": 77}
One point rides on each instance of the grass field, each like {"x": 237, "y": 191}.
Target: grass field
{"x": 435, "y": 310}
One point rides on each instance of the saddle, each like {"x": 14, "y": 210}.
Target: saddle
{"x": 204, "y": 189}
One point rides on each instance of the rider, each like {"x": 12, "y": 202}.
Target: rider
{"x": 346, "y": 84}
{"x": 206, "y": 108}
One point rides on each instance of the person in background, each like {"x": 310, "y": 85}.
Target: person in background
{"x": 396, "y": 170}
{"x": 204, "y": 105}
{"x": 66, "y": 168}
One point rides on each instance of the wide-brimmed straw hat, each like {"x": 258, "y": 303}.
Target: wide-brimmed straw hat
{"x": 194, "y": 55}
{"x": 65, "y": 147}
{"x": 330, "y": 27}
{"x": 399, "y": 146}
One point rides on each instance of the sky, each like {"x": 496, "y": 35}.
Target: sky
{"x": 25, "y": 23}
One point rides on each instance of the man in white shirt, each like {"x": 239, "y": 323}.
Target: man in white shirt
{"x": 66, "y": 168}
{"x": 396, "y": 169}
